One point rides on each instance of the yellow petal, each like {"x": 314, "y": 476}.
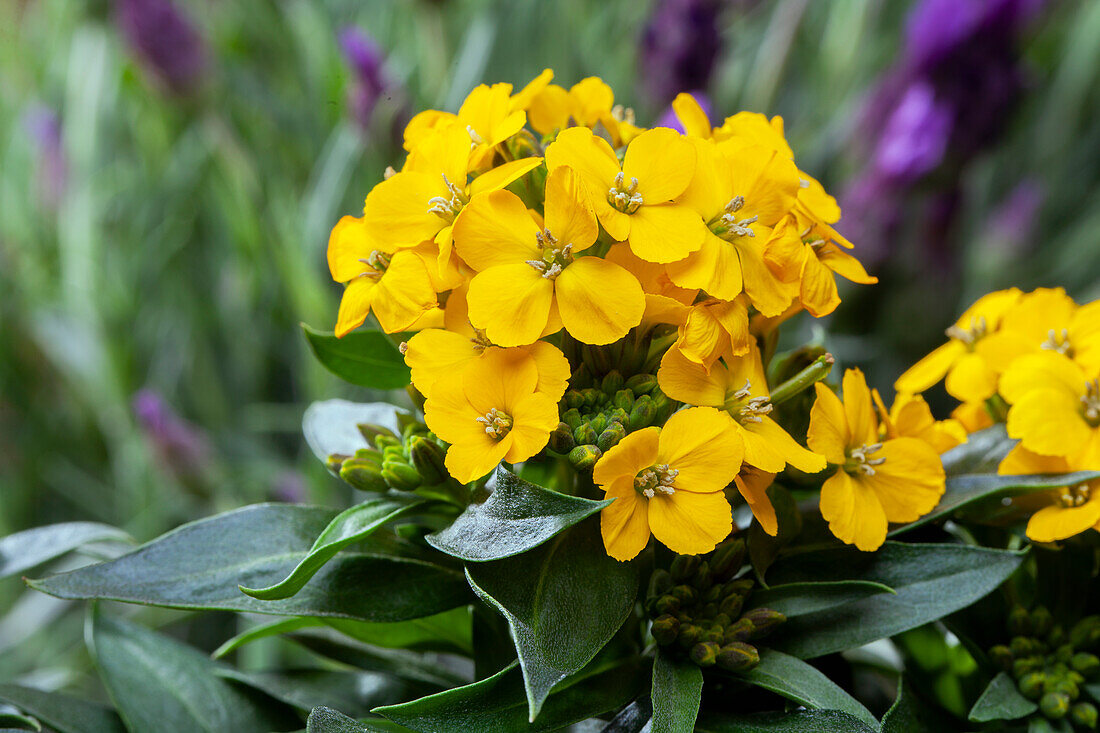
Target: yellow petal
{"x": 971, "y": 379}
{"x": 931, "y": 369}
{"x": 553, "y": 369}
{"x": 858, "y": 408}
{"x": 853, "y": 512}
{"x": 990, "y": 308}
{"x": 662, "y": 161}
{"x": 348, "y": 245}
{"x": 910, "y": 482}
{"x": 784, "y": 251}
{"x": 625, "y": 523}
{"x": 829, "y": 434}
{"x": 703, "y": 444}
{"x": 598, "y": 300}
{"x": 502, "y": 175}
{"x": 753, "y": 487}
{"x": 404, "y": 293}
{"x": 635, "y": 452}
{"x": 396, "y": 210}
{"x": 568, "y": 214}
{"x": 783, "y": 444}
{"x": 1020, "y": 461}
{"x": 522, "y": 99}
{"x": 768, "y": 293}
{"x": 499, "y": 379}
{"x": 511, "y": 303}
{"x": 691, "y": 115}
{"x": 715, "y": 267}
{"x": 534, "y": 416}
{"x": 355, "y": 305}
{"x": 665, "y": 232}
{"x": 590, "y": 99}
{"x": 762, "y": 453}
{"x": 1054, "y": 523}
{"x": 1048, "y": 421}
{"x": 495, "y": 229}
{"x": 1044, "y": 370}
{"x": 549, "y": 109}
{"x": 590, "y": 156}
{"x": 444, "y": 151}
{"x": 844, "y": 265}
{"x": 469, "y": 461}
{"x": 686, "y": 381}
{"x": 434, "y": 353}
{"x": 817, "y": 291}
{"x": 689, "y": 523}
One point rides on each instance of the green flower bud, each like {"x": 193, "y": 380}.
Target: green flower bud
{"x": 1021, "y": 646}
{"x": 1055, "y": 705}
{"x": 660, "y": 582}
{"x": 612, "y": 383}
{"x": 714, "y": 594}
{"x": 400, "y": 476}
{"x": 740, "y": 587}
{"x": 561, "y": 439}
{"x": 684, "y": 566}
{"x": 702, "y": 579}
{"x": 591, "y": 396}
{"x": 722, "y": 620}
{"x": 736, "y": 656}
{"x": 427, "y": 458}
{"x": 363, "y": 475}
{"x": 618, "y": 415}
{"x": 740, "y": 630}
{"x": 663, "y": 406}
{"x": 335, "y": 461}
{"x": 1085, "y": 663}
{"x": 623, "y": 399}
{"x": 1041, "y": 621}
{"x": 689, "y": 635}
{"x": 412, "y": 429}
{"x": 381, "y": 442}
{"x": 1083, "y": 714}
{"x": 764, "y": 621}
{"x": 665, "y": 629}
{"x": 1081, "y": 635}
{"x": 685, "y": 593}
{"x": 610, "y": 437}
{"x": 584, "y": 457}
{"x": 573, "y": 399}
{"x": 1002, "y": 656}
{"x": 1065, "y": 686}
{"x": 1031, "y": 685}
{"x": 370, "y": 431}
{"x": 572, "y": 418}
{"x": 666, "y": 604}
{"x": 1063, "y": 654}
{"x": 641, "y": 384}
{"x": 1057, "y": 636}
{"x": 598, "y": 423}
{"x": 642, "y": 414}
{"x": 1019, "y": 621}
{"x": 585, "y": 434}
{"x": 705, "y": 653}
{"x": 1020, "y": 667}
{"x": 709, "y": 610}
{"x": 731, "y": 605}
{"x": 369, "y": 454}
{"x": 713, "y": 635}
{"x": 393, "y": 453}
{"x": 727, "y": 559}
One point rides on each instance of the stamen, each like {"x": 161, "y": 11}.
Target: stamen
{"x": 479, "y": 339}
{"x": 969, "y": 336}
{"x": 657, "y": 479}
{"x": 624, "y": 198}
{"x": 554, "y": 258}
{"x": 497, "y": 423}
{"x": 623, "y": 114}
{"x": 745, "y": 409}
{"x": 860, "y": 461}
{"x": 727, "y": 226}
{"x": 447, "y": 209}
{"x": 1090, "y": 403}
{"x": 474, "y": 137}
{"x": 1058, "y": 342}
{"x": 379, "y": 262}
{"x": 389, "y": 173}
{"x": 1074, "y": 496}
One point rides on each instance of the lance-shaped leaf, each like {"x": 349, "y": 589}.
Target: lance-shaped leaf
{"x": 332, "y": 426}
{"x": 981, "y": 452}
{"x": 802, "y": 721}
{"x": 13, "y": 720}
{"x": 1001, "y": 700}
{"x": 199, "y": 566}
{"x": 24, "y": 550}
{"x": 498, "y": 704}
{"x": 159, "y": 684}
{"x": 677, "y": 693}
{"x": 966, "y": 489}
{"x": 63, "y": 713}
{"x": 517, "y": 517}
{"x": 795, "y": 680}
{"x": 356, "y": 692}
{"x": 563, "y": 601}
{"x": 327, "y": 720}
{"x": 364, "y": 358}
{"x": 350, "y": 526}
{"x": 799, "y": 599}
{"x": 930, "y": 580}
{"x": 909, "y": 715}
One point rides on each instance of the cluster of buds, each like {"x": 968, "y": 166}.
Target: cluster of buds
{"x": 696, "y": 607}
{"x": 406, "y": 462}
{"x": 1050, "y": 664}
{"x": 596, "y": 418}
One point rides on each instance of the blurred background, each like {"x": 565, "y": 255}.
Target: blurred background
{"x": 169, "y": 173}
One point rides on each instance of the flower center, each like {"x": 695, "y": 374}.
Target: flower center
{"x": 379, "y": 262}
{"x": 728, "y": 225}
{"x": 1090, "y": 403}
{"x": 1074, "y": 496}
{"x": 623, "y": 114}
{"x": 479, "y": 339}
{"x": 474, "y": 137}
{"x": 746, "y": 409}
{"x": 497, "y": 423}
{"x": 624, "y": 198}
{"x": 1058, "y": 342}
{"x": 656, "y": 479}
{"x": 969, "y": 336}
{"x": 447, "y": 209}
{"x": 860, "y": 461}
{"x": 555, "y": 258}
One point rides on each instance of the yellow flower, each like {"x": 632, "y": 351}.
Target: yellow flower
{"x": 1048, "y": 319}
{"x": 669, "y": 482}
{"x": 527, "y": 270}
{"x": 964, "y": 360}
{"x": 429, "y": 195}
{"x": 634, "y": 202}
{"x": 396, "y": 286}
{"x": 714, "y": 328}
{"x": 737, "y": 385}
{"x": 1065, "y": 511}
{"x": 1055, "y": 407}
{"x": 741, "y": 193}
{"x": 490, "y": 412}
{"x": 587, "y": 103}
{"x": 757, "y": 129}
{"x": 752, "y": 484}
{"x": 973, "y": 416}
{"x": 877, "y": 481}
{"x": 911, "y": 417}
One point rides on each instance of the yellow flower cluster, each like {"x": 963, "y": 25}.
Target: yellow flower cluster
{"x": 1034, "y": 360}
{"x": 537, "y": 222}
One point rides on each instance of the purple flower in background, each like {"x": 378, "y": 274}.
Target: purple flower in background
{"x": 165, "y": 39}
{"x": 365, "y": 58}
{"x": 180, "y": 444}
{"x": 916, "y": 134}
{"x": 44, "y": 128}
{"x": 680, "y": 46}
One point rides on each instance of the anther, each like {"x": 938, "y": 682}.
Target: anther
{"x": 860, "y": 459}
{"x": 971, "y": 335}
{"x": 657, "y": 479}
{"x": 474, "y": 137}
{"x": 1074, "y": 496}
{"x": 1058, "y": 342}
{"x": 1090, "y": 403}
{"x": 497, "y": 423}
{"x": 624, "y": 198}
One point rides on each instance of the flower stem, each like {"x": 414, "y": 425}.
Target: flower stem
{"x": 812, "y": 374}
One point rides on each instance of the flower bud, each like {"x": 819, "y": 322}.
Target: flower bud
{"x": 1082, "y": 633}
{"x": 1019, "y": 621}
{"x": 1021, "y": 646}
{"x": 721, "y": 620}
{"x": 684, "y": 566}
{"x": 427, "y": 458}
{"x": 393, "y": 453}
{"x": 714, "y": 594}
{"x": 1085, "y": 663}
{"x": 1055, "y": 705}
{"x": 584, "y": 457}
{"x": 1020, "y": 667}
{"x": 689, "y": 635}
{"x": 1063, "y": 654}
{"x": 573, "y": 399}
{"x": 1064, "y": 685}
{"x": 731, "y": 605}
{"x": 1083, "y": 714}
{"x": 623, "y": 399}
{"x": 561, "y": 439}
{"x": 1057, "y": 636}
{"x": 363, "y": 475}
{"x": 662, "y": 405}
{"x": 713, "y": 634}
{"x": 612, "y": 382}
{"x": 1031, "y": 685}
{"x": 740, "y": 630}
{"x": 1002, "y": 656}
{"x": 610, "y": 437}
{"x": 727, "y": 559}
{"x": 666, "y": 604}
{"x": 598, "y": 423}
{"x": 585, "y": 434}
{"x": 618, "y": 415}
{"x": 665, "y": 629}
{"x": 400, "y": 475}
{"x": 591, "y": 396}
{"x": 708, "y": 611}
{"x": 685, "y": 593}
{"x": 642, "y": 414}
{"x": 660, "y": 582}
{"x": 764, "y": 621}
{"x": 701, "y": 579}
{"x": 736, "y": 656}
{"x": 370, "y": 431}
{"x": 335, "y": 461}
{"x": 572, "y": 418}
{"x": 382, "y": 441}
{"x": 705, "y": 653}
{"x": 641, "y": 384}
{"x": 1041, "y": 621}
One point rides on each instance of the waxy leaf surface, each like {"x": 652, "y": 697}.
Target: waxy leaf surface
{"x": 676, "y": 695}
{"x": 364, "y": 358}
{"x": 24, "y": 550}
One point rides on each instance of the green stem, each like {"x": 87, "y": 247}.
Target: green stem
{"x": 804, "y": 379}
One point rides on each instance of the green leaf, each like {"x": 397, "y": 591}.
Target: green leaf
{"x": 967, "y": 489}
{"x": 803, "y": 721}
{"x": 795, "y": 680}
{"x": 634, "y": 718}
{"x": 498, "y": 704}
{"x": 199, "y": 566}
{"x": 356, "y": 692}
{"x": 419, "y": 668}
{"x": 517, "y": 517}
{"x": 564, "y": 601}
{"x": 981, "y": 453}
{"x": 263, "y": 631}
{"x": 327, "y": 720}
{"x": 909, "y": 715}
{"x": 350, "y": 526}
{"x": 64, "y": 713}
{"x": 11, "y": 717}
{"x": 332, "y": 426}
{"x": 365, "y": 358}
{"x": 450, "y": 631}
{"x": 159, "y": 684}
{"x": 931, "y": 581}
{"x": 1001, "y": 700}
{"x": 677, "y": 692}
{"x": 799, "y": 599}
{"x": 24, "y": 550}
